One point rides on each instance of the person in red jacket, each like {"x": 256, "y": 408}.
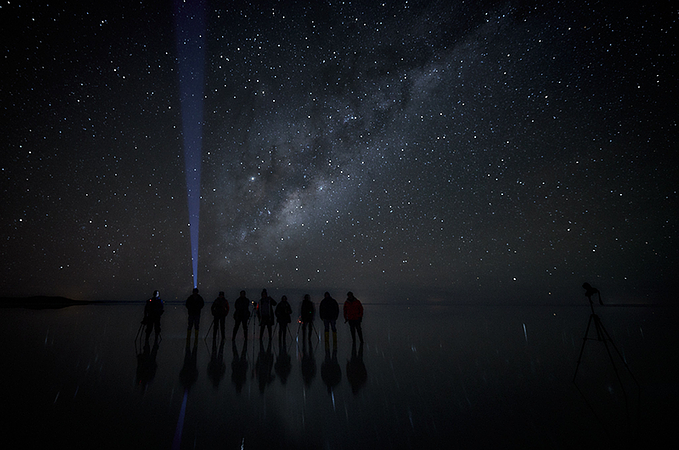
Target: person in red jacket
{"x": 353, "y": 313}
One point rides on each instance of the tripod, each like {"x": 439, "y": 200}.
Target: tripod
{"x": 601, "y": 336}
{"x": 141, "y": 327}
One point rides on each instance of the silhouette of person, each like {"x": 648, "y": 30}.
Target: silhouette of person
{"x": 194, "y": 304}
{"x": 590, "y": 291}
{"x": 266, "y": 313}
{"x": 329, "y": 311}
{"x": 353, "y": 313}
{"x": 219, "y": 309}
{"x": 283, "y": 312}
{"x": 241, "y": 315}
{"x": 307, "y": 313}
{"x": 153, "y": 309}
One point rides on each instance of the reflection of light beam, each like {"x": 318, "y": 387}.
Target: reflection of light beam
{"x": 177, "y": 441}
{"x": 190, "y": 32}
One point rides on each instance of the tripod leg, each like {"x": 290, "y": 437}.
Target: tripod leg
{"x": 137, "y": 341}
{"x": 208, "y": 330}
{"x": 140, "y": 332}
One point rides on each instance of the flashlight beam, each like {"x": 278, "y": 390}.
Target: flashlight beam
{"x": 190, "y": 32}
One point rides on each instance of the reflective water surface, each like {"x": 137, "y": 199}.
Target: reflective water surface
{"x": 426, "y": 377}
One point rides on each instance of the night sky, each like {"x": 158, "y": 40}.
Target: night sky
{"x": 424, "y": 150}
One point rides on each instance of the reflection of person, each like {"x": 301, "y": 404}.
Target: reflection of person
{"x": 152, "y": 312}
{"x": 264, "y": 366}
{"x": 590, "y": 291}
{"x": 266, "y": 316}
{"x": 194, "y": 304}
{"x": 241, "y": 315}
{"x": 329, "y": 310}
{"x": 146, "y": 365}
{"x": 239, "y": 366}
{"x": 216, "y": 368}
{"x": 283, "y": 364}
{"x": 219, "y": 309}
{"x": 307, "y": 313}
{"x": 283, "y": 312}
{"x": 331, "y": 373}
{"x": 189, "y": 371}
{"x": 353, "y": 313}
{"x": 308, "y": 362}
{"x": 356, "y": 372}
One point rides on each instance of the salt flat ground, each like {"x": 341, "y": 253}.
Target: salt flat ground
{"x": 429, "y": 376}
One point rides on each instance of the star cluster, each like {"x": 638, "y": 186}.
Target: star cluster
{"x": 485, "y": 151}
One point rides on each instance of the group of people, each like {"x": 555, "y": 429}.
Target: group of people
{"x": 268, "y": 312}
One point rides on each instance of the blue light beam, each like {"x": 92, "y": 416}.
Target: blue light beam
{"x": 189, "y": 18}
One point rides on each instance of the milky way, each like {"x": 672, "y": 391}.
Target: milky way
{"x": 485, "y": 151}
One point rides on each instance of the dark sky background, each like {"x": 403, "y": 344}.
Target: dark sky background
{"x": 493, "y": 151}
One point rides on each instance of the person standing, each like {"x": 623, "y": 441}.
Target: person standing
{"x": 266, "y": 317}
{"x": 241, "y": 315}
{"x": 307, "y": 313}
{"x": 283, "y": 312}
{"x": 152, "y": 311}
{"x": 194, "y": 304}
{"x": 353, "y": 313}
{"x": 219, "y": 309}
{"x": 329, "y": 311}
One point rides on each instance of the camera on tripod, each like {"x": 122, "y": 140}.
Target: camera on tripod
{"x": 591, "y": 291}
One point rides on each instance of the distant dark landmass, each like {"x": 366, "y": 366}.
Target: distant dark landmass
{"x": 40, "y": 302}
